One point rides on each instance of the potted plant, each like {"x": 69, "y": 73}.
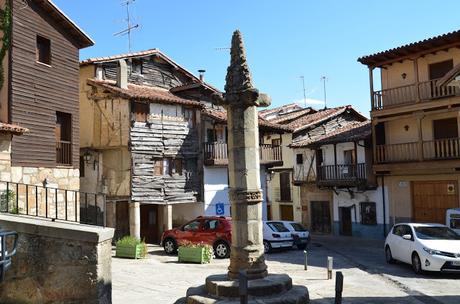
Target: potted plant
{"x": 131, "y": 247}
{"x": 195, "y": 253}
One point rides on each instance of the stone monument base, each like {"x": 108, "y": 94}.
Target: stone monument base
{"x": 273, "y": 289}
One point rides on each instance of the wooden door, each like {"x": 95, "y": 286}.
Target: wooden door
{"x": 150, "y": 230}
{"x": 121, "y": 220}
{"x": 320, "y": 217}
{"x": 286, "y": 212}
{"x": 345, "y": 221}
{"x": 285, "y": 187}
{"x": 431, "y": 199}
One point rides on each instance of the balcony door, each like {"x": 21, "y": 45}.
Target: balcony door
{"x": 285, "y": 187}
{"x": 63, "y": 132}
{"x": 438, "y": 70}
{"x": 349, "y": 160}
{"x": 445, "y": 134}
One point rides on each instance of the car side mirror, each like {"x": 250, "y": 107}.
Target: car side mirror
{"x": 407, "y": 237}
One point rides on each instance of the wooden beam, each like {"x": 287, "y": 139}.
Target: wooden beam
{"x": 371, "y": 82}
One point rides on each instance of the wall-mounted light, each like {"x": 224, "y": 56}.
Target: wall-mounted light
{"x": 406, "y": 127}
{"x": 403, "y": 75}
{"x": 87, "y": 157}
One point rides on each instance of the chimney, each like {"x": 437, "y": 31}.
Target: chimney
{"x": 99, "y": 73}
{"x": 122, "y": 74}
{"x": 202, "y": 74}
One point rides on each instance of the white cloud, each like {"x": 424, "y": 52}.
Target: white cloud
{"x": 310, "y": 101}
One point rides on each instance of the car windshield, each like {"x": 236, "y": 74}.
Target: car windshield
{"x": 277, "y": 227}
{"x": 298, "y": 227}
{"x": 435, "y": 233}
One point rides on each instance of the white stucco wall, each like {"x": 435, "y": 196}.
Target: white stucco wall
{"x": 343, "y": 199}
{"x": 216, "y": 190}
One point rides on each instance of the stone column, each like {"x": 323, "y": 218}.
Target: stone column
{"x": 241, "y": 100}
{"x": 167, "y": 217}
{"x": 135, "y": 219}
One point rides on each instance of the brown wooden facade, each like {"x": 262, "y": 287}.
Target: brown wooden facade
{"x": 39, "y": 91}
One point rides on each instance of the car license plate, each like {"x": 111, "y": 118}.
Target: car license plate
{"x": 456, "y": 263}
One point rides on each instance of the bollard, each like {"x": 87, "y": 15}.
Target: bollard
{"x": 329, "y": 267}
{"x": 338, "y": 287}
{"x": 306, "y": 260}
{"x": 243, "y": 287}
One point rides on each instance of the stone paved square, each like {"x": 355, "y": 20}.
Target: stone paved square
{"x": 368, "y": 279}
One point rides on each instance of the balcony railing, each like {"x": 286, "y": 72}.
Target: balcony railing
{"x": 438, "y": 149}
{"x": 413, "y": 93}
{"x": 282, "y": 194}
{"x": 63, "y": 152}
{"x": 52, "y": 203}
{"x": 217, "y": 152}
{"x": 341, "y": 173}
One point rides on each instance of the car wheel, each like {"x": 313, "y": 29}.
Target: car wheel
{"x": 388, "y": 255}
{"x": 416, "y": 263}
{"x": 170, "y": 246}
{"x": 221, "y": 250}
{"x": 302, "y": 246}
{"x": 267, "y": 247}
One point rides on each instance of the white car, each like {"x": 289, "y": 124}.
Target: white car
{"x": 276, "y": 235}
{"x": 428, "y": 247}
{"x": 300, "y": 234}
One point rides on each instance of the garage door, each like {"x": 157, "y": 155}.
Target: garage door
{"x": 431, "y": 199}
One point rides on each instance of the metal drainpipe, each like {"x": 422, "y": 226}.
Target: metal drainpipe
{"x": 384, "y": 207}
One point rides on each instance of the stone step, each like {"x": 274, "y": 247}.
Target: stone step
{"x": 296, "y": 295}
{"x": 221, "y": 286}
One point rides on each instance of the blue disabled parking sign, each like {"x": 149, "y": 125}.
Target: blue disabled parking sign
{"x": 220, "y": 209}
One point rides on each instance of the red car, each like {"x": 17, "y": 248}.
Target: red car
{"x": 213, "y": 230}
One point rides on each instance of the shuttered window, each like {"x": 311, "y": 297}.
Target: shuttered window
{"x": 43, "y": 52}
{"x": 140, "y": 111}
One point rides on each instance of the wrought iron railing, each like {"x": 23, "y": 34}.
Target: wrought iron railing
{"x": 63, "y": 152}
{"x": 53, "y": 203}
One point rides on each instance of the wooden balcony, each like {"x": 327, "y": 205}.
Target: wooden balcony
{"x": 341, "y": 175}
{"x": 440, "y": 149}
{"x": 63, "y": 153}
{"x": 216, "y": 154}
{"x": 411, "y": 94}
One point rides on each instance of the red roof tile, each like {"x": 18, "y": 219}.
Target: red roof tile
{"x": 11, "y": 128}
{"x": 311, "y": 120}
{"x": 143, "y": 93}
{"x": 221, "y": 116}
{"x": 350, "y": 132}
{"x": 287, "y": 118}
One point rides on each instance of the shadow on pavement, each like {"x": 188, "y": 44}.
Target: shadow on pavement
{"x": 393, "y": 300}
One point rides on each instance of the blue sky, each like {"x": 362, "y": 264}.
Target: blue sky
{"x": 284, "y": 39}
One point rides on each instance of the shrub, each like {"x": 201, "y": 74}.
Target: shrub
{"x": 130, "y": 241}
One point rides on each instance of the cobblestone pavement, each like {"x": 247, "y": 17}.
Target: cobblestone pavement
{"x": 368, "y": 279}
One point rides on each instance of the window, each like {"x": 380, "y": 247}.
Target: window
{"x": 190, "y": 117}
{"x": 192, "y": 226}
{"x": 439, "y": 69}
{"x": 168, "y": 166}
{"x": 277, "y": 227}
{"x": 43, "y": 52}
{"x": 211, "y": 224}
{"x": 136, "y": 66}
{"x": 63, "y": 133}
{"x": 299, "y": 159}
{"x": 158, "y": 167}
{"x": 140, "y": 111}
{"x": 368, "y": 213}
{"x": 276, "y": 142}
{"x": 211, "y": 135}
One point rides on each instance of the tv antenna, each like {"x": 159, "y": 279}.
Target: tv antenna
{"x": 324, "y": 79}
{"x": 221, "y": 48}
{"x": 130, "y": 26}
{"x": 304, "y": 94}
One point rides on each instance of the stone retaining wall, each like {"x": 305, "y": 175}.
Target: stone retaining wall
{"x": 58, "y": 263}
